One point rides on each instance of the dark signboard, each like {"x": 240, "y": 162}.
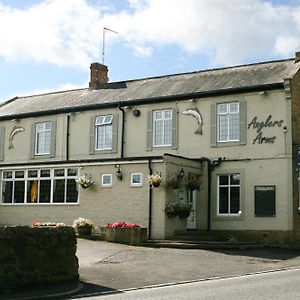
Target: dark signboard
{"x": 298, "y": 158}
{"x": 265, "y": 204}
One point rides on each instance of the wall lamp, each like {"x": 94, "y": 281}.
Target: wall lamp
{"x": 119, "y": 173}
{"x": 181, "y": 173}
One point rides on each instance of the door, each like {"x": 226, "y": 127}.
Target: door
{"x": 191, "y": 220}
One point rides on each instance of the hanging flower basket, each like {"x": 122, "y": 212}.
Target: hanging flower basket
{"x": 184, "y": 210}
{"x": 171, "y": 209}
{"x": 184, "y": 214}
{"x": 85, "y": 181}
{"x": 154, "y": 180}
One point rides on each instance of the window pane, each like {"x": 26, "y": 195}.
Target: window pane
{"x": 223, "y": 128}
{"x": 72, "y": 172}
{"x": 45, "y": 173}
{"x": 106, "y": 179}
{"x": 59, "y": 191}
{"x": 32, "y": 173}
{"x": 223, "y": 180}
{"x": 7, "y": 188}
{"x": 235, "y": 179}
{"x": 7, "y": 174}
{"x": 222, "y": 108}
{"x": 59, "y": 172}
{"x": 158, "y": 133}
{"x": 223, "y": 200}
{"x": 19, "y": 174}
{"x": 45, "y": 189}
{"x": 234, "y": 200}
{"x": 72, "y": 193}
{"x": 234, "y": 107}
{"x": 32, "y": 191}
{"x": 136, "y": 178}
{"x": 168, "y": 132}
{"x": 234, "y": 127}
{"x": 108, "y": 119}
{"x": 19, "y": 191}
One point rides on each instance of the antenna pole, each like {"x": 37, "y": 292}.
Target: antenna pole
{"x": 103, "y": 41}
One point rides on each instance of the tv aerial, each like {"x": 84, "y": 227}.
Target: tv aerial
{"x": 105, "y": 30}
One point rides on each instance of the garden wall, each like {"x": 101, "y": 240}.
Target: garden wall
{"x": 37, "y": 256}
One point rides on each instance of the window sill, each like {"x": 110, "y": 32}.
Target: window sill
{"x": 38, "y": 204}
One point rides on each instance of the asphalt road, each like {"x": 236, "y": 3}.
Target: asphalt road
{"x": 274, "y": 285}
{"x": 108, "y": 267}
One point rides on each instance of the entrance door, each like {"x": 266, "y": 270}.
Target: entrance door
{"x": 191, "y": 220}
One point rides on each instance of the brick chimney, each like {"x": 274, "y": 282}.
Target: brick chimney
{"x": 297, "y": 56}
{"x": 98, "y": 76}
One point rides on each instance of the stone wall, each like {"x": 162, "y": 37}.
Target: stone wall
{"x": 37, "y": 256}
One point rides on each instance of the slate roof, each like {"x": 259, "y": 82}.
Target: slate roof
{"x": 201, "y": 83}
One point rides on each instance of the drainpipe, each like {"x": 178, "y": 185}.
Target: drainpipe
{"x": 211, "y": 164}
{"x": 68, "y": 136}
{"x": 122, "y": 130}
{"x": 150, "y": 196}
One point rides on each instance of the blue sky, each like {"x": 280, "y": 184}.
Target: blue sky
{"x": 48, "y": 45}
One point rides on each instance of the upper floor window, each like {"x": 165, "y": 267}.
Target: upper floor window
{"x": 43, "y": 138}
{"x": 103, "y": 132}
{"x": 228, "y": 122}
{"x": 162, "y": 128}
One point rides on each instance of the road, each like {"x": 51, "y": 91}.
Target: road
{"x": 274, "y": 285}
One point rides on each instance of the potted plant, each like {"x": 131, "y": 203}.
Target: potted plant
{"x": 184, "y": 210}
{"x": 171, "y": 209}
{"x": 83, "y": 226}
{"x": 84, "y": 180}
{"x": 154, "y": 180}
{"x": 194, "y": 183}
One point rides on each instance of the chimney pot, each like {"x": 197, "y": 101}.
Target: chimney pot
{"x": 99, "y": 76}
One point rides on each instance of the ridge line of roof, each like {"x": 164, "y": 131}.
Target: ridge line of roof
{"x": 153, "y": 77}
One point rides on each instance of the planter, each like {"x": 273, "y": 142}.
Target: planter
{"x": 86, "y": 230}
{"x": 84, "y": 186}
{"x": 172, "y": 215}
{"x": 183, "y": 214}
{"x": 130, "y": 236}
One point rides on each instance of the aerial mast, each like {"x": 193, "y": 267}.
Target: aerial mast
{"x": 105, "y": 29}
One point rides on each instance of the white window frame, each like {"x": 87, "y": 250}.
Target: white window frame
{"x": 104, "y": 184}
{"x": 229, "y": 185}
{"x": 165, "y": 130}
{"x": 136, "y": 184}
{"x": 229, "y": 115}
{"x": 42, "y": 138}
{"x": 39, "y": 178}
{"x": 105, "y": 123}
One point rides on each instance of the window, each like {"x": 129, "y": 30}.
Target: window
{"x": 39, "y": 186}
{"x": 103, "y": 133}
{"x": 106, "y": 180}
{"x": 162, "y": 128}
{"x": 228, "y": 194}
{"x": 42, "y": 138}
{"x": 228, "y": 122}
{"x": 136, "y": 179}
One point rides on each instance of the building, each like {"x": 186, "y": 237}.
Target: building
{"x": 235, "y": 130}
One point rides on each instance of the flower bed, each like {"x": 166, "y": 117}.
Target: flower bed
{"x": 124, "y": 233}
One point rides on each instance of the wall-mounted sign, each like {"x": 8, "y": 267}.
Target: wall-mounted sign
{"x": 265, "y": 204}
{"x": 260, "y": 125}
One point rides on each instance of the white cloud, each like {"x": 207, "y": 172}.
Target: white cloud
{"x": 69, "y": 32}
{"x": 229, "y": 32}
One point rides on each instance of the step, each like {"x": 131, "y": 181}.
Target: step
{"x": 206, "y": 245}
{"x": 204, "y": 238}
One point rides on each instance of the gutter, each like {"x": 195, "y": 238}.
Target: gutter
{"x": 151, "y": 100}
{"x": 82, "y": 161}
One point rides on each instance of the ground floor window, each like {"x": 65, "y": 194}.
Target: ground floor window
{"x": 228, "y": 194}
{"x": 39, "y": 186}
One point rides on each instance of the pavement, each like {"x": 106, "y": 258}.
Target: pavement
{"x": 110, "y": 268}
